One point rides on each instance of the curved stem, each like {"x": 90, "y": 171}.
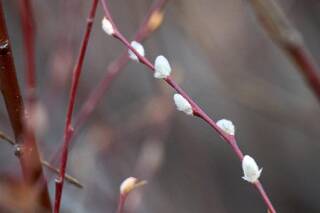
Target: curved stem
{"x": 274, "y": 21}
{"x": 196, "y": 108}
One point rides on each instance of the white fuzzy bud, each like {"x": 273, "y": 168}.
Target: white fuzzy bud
{"x": 227, "y": 126}
{"x": 251, "y": 172}
{"x": 182, "y": 104}
{"x": 107, "y": 26}
{"x": 162, "y": 67}
{"x": 139, "y": 48}
{"x": 130, "y": 184}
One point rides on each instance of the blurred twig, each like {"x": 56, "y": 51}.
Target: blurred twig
{"x": 6, "y": 138}
{"x": 68, "y": 177}
{"x": 45, "y": 163}
{"x": 274, "y": 21}
{"x": 28, "y": 30}
{"x": 150, "y": 23}
{"x": 30, "y": 161}
{"x": 113, "y": 70}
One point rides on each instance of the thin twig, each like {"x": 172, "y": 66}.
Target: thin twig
{"x": 30, "y": 160}
{"x": 115, "y": 67}
{"x": 112, "y": 71}
{"x": 28, "y": 30}
{"x": 68, "y": 131}
{"x": 68, "y": 177}
{"x": 6, "y": 138}
{"x": 197, "y": 111}
{"x": 45, "y": 163}
{"x": 274, "y": 21}
{"x": 121, "y": 202}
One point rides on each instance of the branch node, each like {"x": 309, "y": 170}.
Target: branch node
{"x": 18, "y": 150}
{"x": 4, "y": 47}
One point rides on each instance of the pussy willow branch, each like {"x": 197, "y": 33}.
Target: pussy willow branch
{"x": 115, "y": 67}
{"x": 30, "y": 159}
{"x": 74, "y": 87}
{"x": 197, "y": 111}
{"x": 45, "y": 163}
{"x": 113, "y": 70}
{"x": 274, "y": 21}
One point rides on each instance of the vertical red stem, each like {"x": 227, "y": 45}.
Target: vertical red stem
{"x": 28, "y": 30}
{"x": 74, "y": 86}
{"x": 121, "y": 203}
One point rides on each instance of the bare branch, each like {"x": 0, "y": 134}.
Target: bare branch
{"x": 281, "y": 31}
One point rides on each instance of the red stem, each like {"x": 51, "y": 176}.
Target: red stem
{"x": 121, "y": 203}
{"x": 196, "y": 108}
{"x": 275, "y": 22}
{"x": 260, "y": 189}
{"x": 74, "y": 87}
{"x": 96, "y": 95}
{"x": 302, "y": 58}
{"x": 27, "y": 21}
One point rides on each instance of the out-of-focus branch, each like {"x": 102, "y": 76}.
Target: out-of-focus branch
{"x": 45, "y": 163}
{"x": 150, "y": 23}
{"x": 281, "y": 31}
{"x": 30, "y": 159}
{"x": 28, "y": 29}
{"x": 68, "y": 177}
{"x": 6, "y": 138}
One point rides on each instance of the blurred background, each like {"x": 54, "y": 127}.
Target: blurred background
{"x": 223, "y": 59}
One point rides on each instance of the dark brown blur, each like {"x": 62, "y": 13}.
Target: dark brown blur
{"x": 222, "y": 57}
